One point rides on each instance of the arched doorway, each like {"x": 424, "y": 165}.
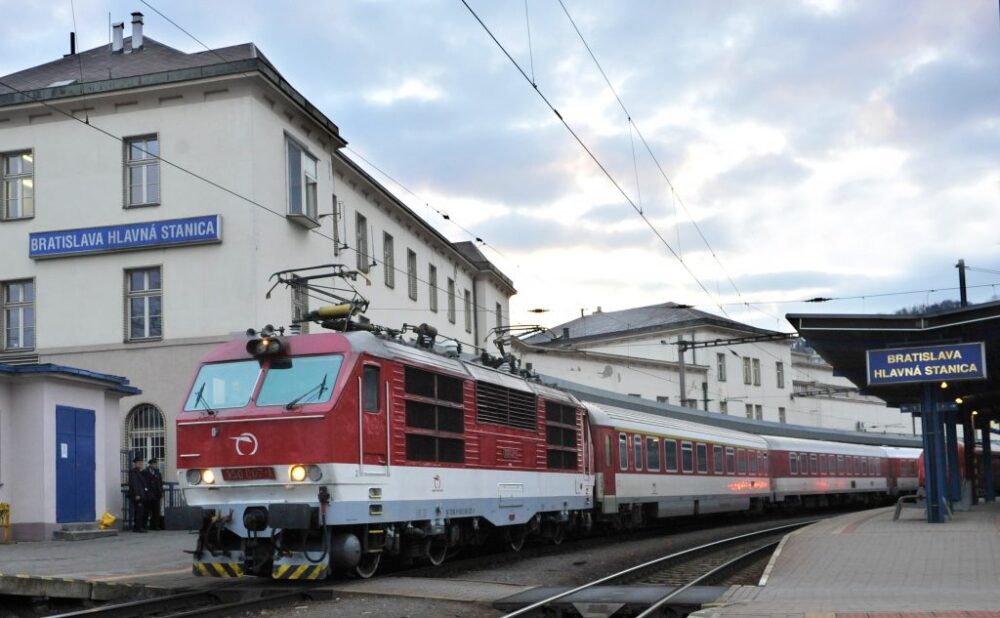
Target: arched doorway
{"x": 145, "y": 434}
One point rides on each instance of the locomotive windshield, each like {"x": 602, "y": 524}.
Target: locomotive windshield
{"x": 223, "y": 385}
{"x": 307, "y": 379}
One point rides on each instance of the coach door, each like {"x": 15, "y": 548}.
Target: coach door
{"x": 373, "y": 419}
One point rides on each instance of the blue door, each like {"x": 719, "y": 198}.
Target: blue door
{"x": 74, "y": 465}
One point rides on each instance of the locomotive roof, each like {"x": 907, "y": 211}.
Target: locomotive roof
{"x": 821, "y": 446}
{"x": 366, "y": 342}
{"x": 642, "y": 422}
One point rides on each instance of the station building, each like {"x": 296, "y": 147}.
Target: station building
{"x": 147, "y": 194}
{"x": 766, "y": 378}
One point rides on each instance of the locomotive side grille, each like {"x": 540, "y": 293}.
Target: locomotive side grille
{"x": 505, "y": 406}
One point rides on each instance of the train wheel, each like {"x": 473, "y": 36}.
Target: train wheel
{"x": 515, "y": 536}
{"x": 368, "y": 565}
{"x": 558, "y": 533}
{"x": 436, "y": 550}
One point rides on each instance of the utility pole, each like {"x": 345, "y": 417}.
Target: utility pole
{"x": 681, "y": 348}
{"x": 961, "y": 283}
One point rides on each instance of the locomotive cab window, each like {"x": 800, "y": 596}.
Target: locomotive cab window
{"x": 305, "y": 379}
{"x": 717, "y": 459}
{"x": 223, "y": 385}
{"x": 370, "y": 390}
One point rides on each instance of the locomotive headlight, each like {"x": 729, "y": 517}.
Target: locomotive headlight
{"x": 208, "y": 477}
{"x": 315, "y": 473}
{"x": 194, "y": 477}
{"x": 297, "y": 473}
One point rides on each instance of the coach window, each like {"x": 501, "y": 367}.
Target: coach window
{"x": 653, "y": 454}
{"x": 840, "y": 465}
{"x": 369, "y": 389}
{"x": 730, "y": 460}
{"x": 822, "y": 464}
{"x": 752, "y": 461}
{"x": 850, "y": 466}
{"x": 864, "y": 466}
{"x": 637, "y": 451}
{"x": 717, "y": 461}
{"x": 702, "y": 453}
{"x": 687, "y": 457}
{"x": 793, "y": 463}
{"x": 607, "y": 451}
{"x": 623, "y": 451}
{"x": 741, "y": 461}
{"x": 766, "y": 469}
{"x": 813, "y": 465}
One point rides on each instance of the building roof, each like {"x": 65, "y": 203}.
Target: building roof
{"x": 639, "y": 320}
{"x": 99, "y": 64}
{"x": 471, "y": 252}
{"x": 99, "y": 70}
{"x": 113, "y": 383}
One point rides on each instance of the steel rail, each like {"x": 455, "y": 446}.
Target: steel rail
{"x": 645, "y": 565}
{"x": 722, "y": 568}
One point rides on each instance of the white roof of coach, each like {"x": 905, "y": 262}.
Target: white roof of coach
{"x": 900, "y": 452}
{"x": 642, "y": 422}
{"x": 822, "y": 446}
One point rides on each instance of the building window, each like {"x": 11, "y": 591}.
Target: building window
{"x": 389, "y": 260}
{"x": 17, "y": 185}
{"x": 720, "y": 361}
{"x": 301, "y": 181}
{"x": 746, "y": 370}
{"x": 781, "y": 415}
{"x": 499, "y": 317}
{"x": 779, "y": 373}
{"x": 756, "y": 372}
{"x": 143, "y": 300}
{"x": 411, "y": 273}
{"x": 300, "y": 306}
{"x": 724, "y": 407}
{"x": 759, "y": 411}
{"x": 142, "y": 170}
{"x": 18, "y": 315}
{"x": 451, "y": 300}
{"x": 749, "y": 410}
{"x": 432, "y": 287}
{"x": 468, "y": 311}
{"x": 145, "y": 435}
{"x": 361, "y": 241}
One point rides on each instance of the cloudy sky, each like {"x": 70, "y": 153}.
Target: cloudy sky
{"x": 822, "y": 148}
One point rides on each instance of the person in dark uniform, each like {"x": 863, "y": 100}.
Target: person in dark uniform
{"x": 138, "y": 493}
{"x": 154, "y": 481}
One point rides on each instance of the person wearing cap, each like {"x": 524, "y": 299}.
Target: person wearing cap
{"x": 154, "y": 481}
{"x": 138, "y": 493}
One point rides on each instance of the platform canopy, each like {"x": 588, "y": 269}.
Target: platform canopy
{"x": 844, "y": 342}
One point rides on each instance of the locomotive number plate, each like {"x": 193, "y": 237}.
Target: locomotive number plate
{"x": 248, "y": 474}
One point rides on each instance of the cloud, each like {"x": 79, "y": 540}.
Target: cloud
{"x": 411, "y": 89}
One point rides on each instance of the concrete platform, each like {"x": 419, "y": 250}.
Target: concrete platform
{"x": 865, "y": 564}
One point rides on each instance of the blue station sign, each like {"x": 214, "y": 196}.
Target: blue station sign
{"x": 959, "y": 361}
{"x": 127, "y": 237}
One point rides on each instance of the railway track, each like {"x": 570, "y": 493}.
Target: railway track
{"x": 229, "y": 600}
{"x": 671, "y": 576}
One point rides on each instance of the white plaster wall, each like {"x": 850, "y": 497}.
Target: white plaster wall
{"x": 32, "y": 476}
{"x": 6, "y": 441}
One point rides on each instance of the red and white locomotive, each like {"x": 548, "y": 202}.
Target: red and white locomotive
{"x": 307, "y": 454}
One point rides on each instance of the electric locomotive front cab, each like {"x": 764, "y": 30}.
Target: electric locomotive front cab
{"x": 258, "y": 447}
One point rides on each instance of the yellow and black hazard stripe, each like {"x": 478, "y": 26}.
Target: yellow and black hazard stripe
{"x": 217, "y": 569}
{"x": 299, "y": 571}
